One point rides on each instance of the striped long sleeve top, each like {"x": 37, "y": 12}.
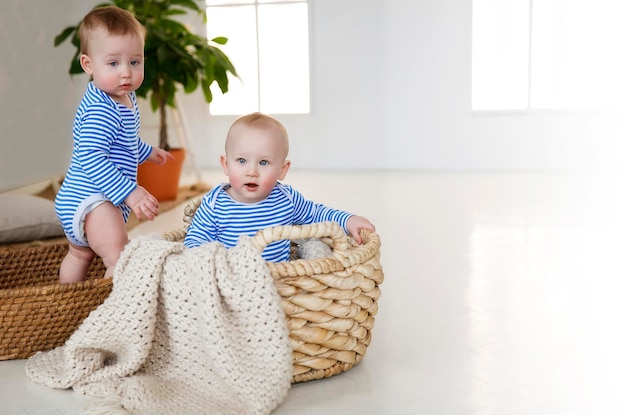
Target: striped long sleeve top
{"x": 220, "y": 218}
{"x": 106, "y": 152}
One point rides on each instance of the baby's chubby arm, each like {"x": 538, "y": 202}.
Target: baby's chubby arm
{"x": 159, "y": 156}
{"x": 356, "y": 224}
{"x": 143, "y": 203}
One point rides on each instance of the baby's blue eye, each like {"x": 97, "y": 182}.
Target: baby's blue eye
{"x": 113, "y": 64}
{"x": 264, "y": 163}
{"x": 241, "y": 161}
{"x": 135, "y": 63}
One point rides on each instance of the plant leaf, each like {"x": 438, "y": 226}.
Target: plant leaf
{"x": 60, "y": 38}
{"x": 188, "y": 4}
{"x": 220, "y": 40}
{"x": 75, "y": 67}
{"x": 206, "y": 90}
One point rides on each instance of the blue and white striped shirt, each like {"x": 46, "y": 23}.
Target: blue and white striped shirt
{"x": 106, "y": 152}
{"x": 221, "y": 218}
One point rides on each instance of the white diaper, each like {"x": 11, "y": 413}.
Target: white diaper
{"x": 78, "y": 224}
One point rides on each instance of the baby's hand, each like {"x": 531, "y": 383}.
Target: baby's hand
{"x": 357, "y": 223}
{"x": 160, "y": 156}
{"x": 143, "y": 203}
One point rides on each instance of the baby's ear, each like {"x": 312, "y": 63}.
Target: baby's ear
{"x": 85, "y": 63}
{"x": 284, "y": 170}
{"x": 224, "y": 163}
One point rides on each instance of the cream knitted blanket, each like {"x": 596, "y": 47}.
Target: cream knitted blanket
{"x": 184, "y": 331}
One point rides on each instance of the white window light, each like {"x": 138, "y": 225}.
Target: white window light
{"x": 548, "y": 54}
{"x": 268, "y": 42}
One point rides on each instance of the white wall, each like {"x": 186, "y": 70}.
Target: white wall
{"x": 37, "y": 97}
{"x": 390, "y": 90}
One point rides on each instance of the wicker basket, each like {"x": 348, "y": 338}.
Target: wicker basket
{"x": 36, "y": 312}
{"x": 330, "y": 302}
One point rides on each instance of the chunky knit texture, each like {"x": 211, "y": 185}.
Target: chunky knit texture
{"x": 184, "y": 331}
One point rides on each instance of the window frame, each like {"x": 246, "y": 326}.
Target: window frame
{"x": 259, "y": 88}
{"x": 594, "y": 106}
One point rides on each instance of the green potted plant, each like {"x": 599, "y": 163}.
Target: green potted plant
{"x": 175, "y": 58}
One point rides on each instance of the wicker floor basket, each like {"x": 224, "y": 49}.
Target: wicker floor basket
{"x": 36, "y": 312}
{"x": 330, "y": 302}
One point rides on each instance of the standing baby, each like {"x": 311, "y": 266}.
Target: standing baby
{"x": 100, "y": 187}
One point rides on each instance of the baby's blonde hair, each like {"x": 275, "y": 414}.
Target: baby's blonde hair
{"x": 260, "y": 121}
{"x": 116, "y": 21}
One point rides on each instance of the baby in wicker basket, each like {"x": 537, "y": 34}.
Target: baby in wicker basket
{"x": 255, "y": 160}
{"x": 100, "y": 188}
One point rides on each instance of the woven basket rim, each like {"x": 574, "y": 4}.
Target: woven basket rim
{"x": 54, "y": 289}
{"x": 350, "y": 254}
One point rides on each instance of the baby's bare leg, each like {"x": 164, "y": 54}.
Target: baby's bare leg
{"x": 75, "y": 264}
{"x": 106, "y": 233}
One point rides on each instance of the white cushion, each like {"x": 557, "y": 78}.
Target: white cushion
{"x": 27, "y": 218}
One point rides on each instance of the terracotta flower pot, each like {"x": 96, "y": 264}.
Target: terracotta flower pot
{"x": 162, "y": 181}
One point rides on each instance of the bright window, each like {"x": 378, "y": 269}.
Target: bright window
{"x": 268, "y": 42}
{"x": 548, "y": 54}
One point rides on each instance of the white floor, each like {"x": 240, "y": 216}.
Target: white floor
{"x": 502, "y": 296}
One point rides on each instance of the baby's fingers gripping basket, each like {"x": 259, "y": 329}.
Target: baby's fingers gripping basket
{"x": 330, "y": 302}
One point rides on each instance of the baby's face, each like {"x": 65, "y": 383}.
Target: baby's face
{"x": 254, "y": 162}
{"x": 115, "y": 63}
